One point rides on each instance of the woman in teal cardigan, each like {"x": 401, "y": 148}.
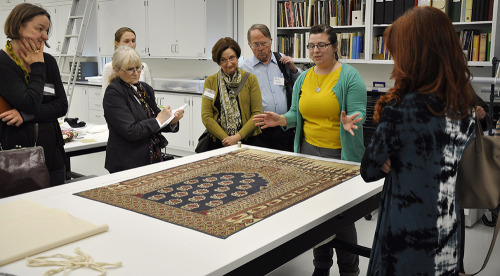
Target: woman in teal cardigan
{"x": 328, "y": 110}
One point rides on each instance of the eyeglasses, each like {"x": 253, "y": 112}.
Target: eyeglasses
{"x": 231, "y": 59}
{"x": 319, "y": 45}
{"x": 256, "y": 45}
{"x": 131, "y": 71}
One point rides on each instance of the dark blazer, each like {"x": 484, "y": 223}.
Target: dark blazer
{"x": 129, "y": 127}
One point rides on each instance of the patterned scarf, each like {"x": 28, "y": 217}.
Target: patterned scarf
{"x": 230, "y": 115}
{"x": 157, "y": 141}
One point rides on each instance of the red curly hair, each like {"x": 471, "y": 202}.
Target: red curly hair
{"x": 428, "y": 59}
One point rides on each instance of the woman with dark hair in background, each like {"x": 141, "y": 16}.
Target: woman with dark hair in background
{"x": 424, "y": 123}
{"x": 226, "y": 112}
{"x": 31, "y": 85}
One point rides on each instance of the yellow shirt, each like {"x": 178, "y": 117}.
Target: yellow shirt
{"x": 321, "y": 110}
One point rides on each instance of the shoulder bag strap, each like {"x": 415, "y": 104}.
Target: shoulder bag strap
{"x": 36, "y": 133}
{"x": 492, "y": 245}
{"x": 241, "y": 84}
{"x": 280, "y": 65}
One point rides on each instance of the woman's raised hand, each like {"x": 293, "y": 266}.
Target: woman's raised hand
{"x": 269, "y": 119}
{"x": 349, "y": 122}
{"x": 31, "y": 51}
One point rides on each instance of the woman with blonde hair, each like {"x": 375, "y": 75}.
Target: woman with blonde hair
{"x": 133, "y": 117}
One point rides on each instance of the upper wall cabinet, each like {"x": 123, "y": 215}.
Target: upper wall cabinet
{"x": 10, "y": 3}
{"x": 114, "y": 14}
{"x": 176, "y": 28}
{"x": 166, "y": 28}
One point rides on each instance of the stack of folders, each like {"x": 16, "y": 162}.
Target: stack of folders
{"x": 476, "y": 44}
{"x": 386, "y": 11}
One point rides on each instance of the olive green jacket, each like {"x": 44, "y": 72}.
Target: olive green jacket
{"x": 249, "y": 101}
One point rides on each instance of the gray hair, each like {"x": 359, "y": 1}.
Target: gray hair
{"x": 262, "y": 28}
{"x": 123, "y": 56}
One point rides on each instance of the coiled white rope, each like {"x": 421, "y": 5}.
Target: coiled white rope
{"x": 70, "y": 263}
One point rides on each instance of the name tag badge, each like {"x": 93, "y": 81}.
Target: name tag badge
{"x": 279, "y": 81}
{"x": 49, "y": 90}
{"x": 209, "y": 93}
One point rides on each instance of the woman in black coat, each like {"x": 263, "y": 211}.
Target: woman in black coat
{"x": 31, "y": 89}
{"x": 134, "y": 120}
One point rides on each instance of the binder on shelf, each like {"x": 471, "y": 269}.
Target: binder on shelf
{"x": 468, "y": 10}
{"x": 357, "y": 18}
{"x": 476, "y": 10}
{"x": 475, "y": 48}
{"x": 488, "y": 47}
{"x": 378, "y": 12}
{"x": 462, "y": 10}
{"x": 309, "y": 13}
{"x": 482, "y": 11}
{"x": 483, "y": 39}
{"x": 359, "y": 46}
{"x": 490, "y": 10}
{"x": 441, "y": 4}
{"x": 409, "y": 4}
{"x": 455, "y": 7}
{"x": 399, "y": 8}
{"x": 388, "y": 11}
{"x": 424, "y": 2}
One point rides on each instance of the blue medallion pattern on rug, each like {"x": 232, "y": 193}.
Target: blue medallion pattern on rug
{"x": 200, "y": 194}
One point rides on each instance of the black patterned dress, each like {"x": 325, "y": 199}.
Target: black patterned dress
{"x": 418, "y": 225}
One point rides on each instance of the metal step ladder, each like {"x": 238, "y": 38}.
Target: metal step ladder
{"x": 76, "y": 32}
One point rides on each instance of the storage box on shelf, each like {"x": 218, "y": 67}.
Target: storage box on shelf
{"x": 291, "y": 22}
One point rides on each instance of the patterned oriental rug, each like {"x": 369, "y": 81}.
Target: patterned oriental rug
{"x": 223, "y": 194}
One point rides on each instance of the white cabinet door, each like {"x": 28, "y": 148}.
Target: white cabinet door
{"x": 182, "y": 139}
{"x": 79, "y": 104}
{"x": 161, "y": 22}
{"x": 10, "y": 3}
{"x": 115, "y": 14}
{"x": 190, "y": 28}
{"x": 176, "y": 28}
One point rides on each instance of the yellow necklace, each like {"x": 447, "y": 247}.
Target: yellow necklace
{"x": 17, "y": 60}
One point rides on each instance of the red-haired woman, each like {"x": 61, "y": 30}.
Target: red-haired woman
{"x": 424, "y": 123}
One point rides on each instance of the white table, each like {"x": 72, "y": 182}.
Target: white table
{"x": 149, "y": 246}
{"x": 81, "y": 145}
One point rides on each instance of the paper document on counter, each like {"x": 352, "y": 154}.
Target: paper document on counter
{"x": 172, "y": 116}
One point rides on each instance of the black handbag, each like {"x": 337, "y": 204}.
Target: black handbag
{"x": 206, "y": 142}
{"x": 23, "y": 170}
